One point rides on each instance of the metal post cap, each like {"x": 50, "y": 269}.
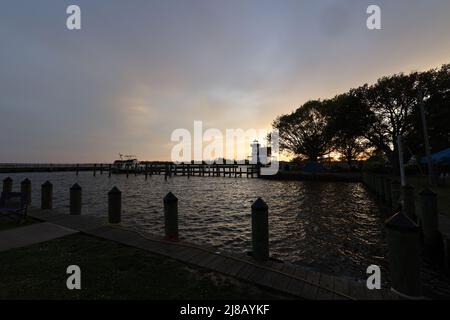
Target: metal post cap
{"x": 427, "y": 192}
{"x": 26, "y": 181}
{"x": 170, "y": 197}
{"x": 115, "y": 190}
{"x": 76, "y": 186}
{"x": 401, "y": 222}
{"x": 8, "y": 179}
{"x": 259, "y": 204}
{"x": 47, "y": 184}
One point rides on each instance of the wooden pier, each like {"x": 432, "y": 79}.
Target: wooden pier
{"x": 297, "y": 281}
{"x": 169, "y": 169}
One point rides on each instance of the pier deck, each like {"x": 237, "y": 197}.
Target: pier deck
{"x": 147, "y": 168}
{"x": 297, "y": 281}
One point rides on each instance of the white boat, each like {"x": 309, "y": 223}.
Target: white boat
{"x": 127, "y": 163}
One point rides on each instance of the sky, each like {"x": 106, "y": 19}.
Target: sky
{"x": 138, "y": 70}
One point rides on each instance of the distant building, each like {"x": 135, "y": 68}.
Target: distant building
{"x": 260, "y": 155}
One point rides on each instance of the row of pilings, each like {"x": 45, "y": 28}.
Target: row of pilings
{"x": 406, "y": 229}
{"x": 259, "y": 212}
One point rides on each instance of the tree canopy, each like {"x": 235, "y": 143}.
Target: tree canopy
{"x": 370, "y": 117}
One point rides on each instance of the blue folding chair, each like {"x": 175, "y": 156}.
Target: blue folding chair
{"x": 10, "y": 208}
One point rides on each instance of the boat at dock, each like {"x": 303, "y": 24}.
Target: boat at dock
{"x": 126, "y": 164}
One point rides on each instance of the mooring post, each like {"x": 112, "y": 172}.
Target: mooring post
{"x": 109, "y": 170}
{"x": 404, "y": 255}
{"x": 387, "y": 190}
{"x": 7, "y": 184}
{"x": 260, "y": 230}
{"x": 429, "y": 217}
{"x": 381, "y": 189}
{"x": 101, "y": 168}
{"x": 47, "y": 195}
{"x": 25, "y": 187}
{"x": 408, "y": 201}
{"x": 146, "y": 171}
{"x": 75, "y": 199}
{"x": 114, "y": 205}
{"x": 395, "y": 193}
{"x": 446, "y": 241}
{"x": 95, "y": 168}
{"x": 76, "y": 169}
{"x": 171, "y": 216}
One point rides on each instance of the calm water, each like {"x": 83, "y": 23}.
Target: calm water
{"x": 336, "y": 227}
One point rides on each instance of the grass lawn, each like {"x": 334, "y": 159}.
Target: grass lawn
{"x": 11, "y": 222}
{"x": 111, "y": 271}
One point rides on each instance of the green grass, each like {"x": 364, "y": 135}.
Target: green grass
{"x": 11, "y": 222}
{"x": 111, "y": 271}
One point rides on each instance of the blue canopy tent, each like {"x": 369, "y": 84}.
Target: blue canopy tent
{"x": 442, "y": 157}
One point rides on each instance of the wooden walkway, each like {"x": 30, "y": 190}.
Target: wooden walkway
{"x": 287, "y": 278}
{"x": 32, "y": 234}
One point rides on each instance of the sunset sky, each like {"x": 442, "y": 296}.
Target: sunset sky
{"x": 137, "y": 70}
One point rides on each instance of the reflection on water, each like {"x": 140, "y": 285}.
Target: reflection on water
{"x": 332, "y": 226}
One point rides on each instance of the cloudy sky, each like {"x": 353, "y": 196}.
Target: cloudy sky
{"x": 137, "y": 70}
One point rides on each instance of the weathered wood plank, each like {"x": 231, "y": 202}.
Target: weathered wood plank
{"x": 310, "y": 290}
{"x": 357, "y": 291}
{"x": 341, "y": 286}
{"x": 325, "y": 292}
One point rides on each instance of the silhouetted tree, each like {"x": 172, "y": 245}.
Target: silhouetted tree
{"x": 348, "y": 120}
{"x": 392, "y": 102}
{"x": 436, "y": 84}
{"x": 304, "y": 132}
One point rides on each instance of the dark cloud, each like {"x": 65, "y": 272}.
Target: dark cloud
{"x": 139, "y": 69}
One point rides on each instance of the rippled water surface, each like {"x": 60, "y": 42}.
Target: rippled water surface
{"x": 336, "y": 227}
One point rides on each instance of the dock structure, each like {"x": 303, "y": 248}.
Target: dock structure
{"x": 294, "y": 280}
{"x": 257, "y": 267}
{"x": 169, "y": 169}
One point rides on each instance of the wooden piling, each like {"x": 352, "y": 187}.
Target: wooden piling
{"x": 171, "y": 217}
{"x": 395, "y": 193}
{"x": 114, "y": 205}
{"x": 387, "y": 190}
{"x": 408, "y": 201}
{"x": 260, "y": 230}
{"x": 25, "y": 187}
{"x": 404, "y": 257}
{"x": 7, "y": 184}
{"x": 429, "y": 217}
{"x": 75, "y": 199}
{"x": 47, "y": 196}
